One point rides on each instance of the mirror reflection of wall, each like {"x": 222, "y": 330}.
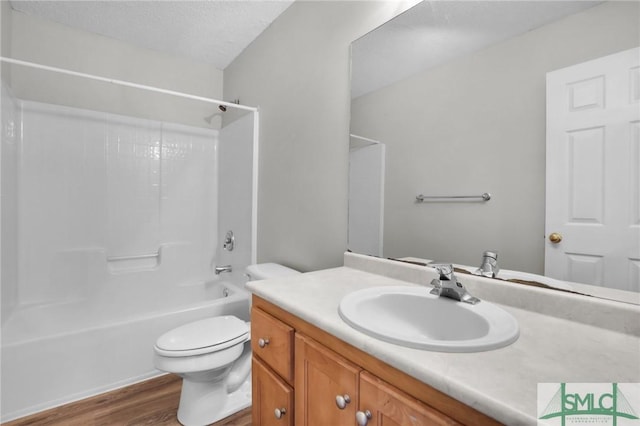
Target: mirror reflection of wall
{"x": 475, "y": 124}
{"x": 366, "y": 195}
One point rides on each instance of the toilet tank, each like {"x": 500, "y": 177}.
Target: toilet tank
{"x": 263, "y": 271}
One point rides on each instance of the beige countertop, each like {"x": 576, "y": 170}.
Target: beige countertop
{"x": 563, "y": 337}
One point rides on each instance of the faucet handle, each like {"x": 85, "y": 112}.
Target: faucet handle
{"x": 437, "y": 286}
{"x": 445, "y": 270}
{"x": 436, "y": 283}
{"x": 489, "y": 267}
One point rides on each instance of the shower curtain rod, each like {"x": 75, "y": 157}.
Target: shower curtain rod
{"x": 126, "y": 83}
{"x": 362, "y": 138}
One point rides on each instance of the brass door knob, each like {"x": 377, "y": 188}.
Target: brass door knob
{"x": 555, "y": 238}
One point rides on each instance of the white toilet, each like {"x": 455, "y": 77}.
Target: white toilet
{"x": 213, "y": 357}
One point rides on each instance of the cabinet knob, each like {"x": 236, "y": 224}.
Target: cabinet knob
{"x": 263, "y": 342}
{"x": 363, "y": 417}
{"x": 279, "y": 412}
{"x": 342, "y": 401}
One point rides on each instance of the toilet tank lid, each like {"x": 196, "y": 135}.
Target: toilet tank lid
{"x": 262, "y": 271}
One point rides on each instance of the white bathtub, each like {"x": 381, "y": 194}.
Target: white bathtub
{"x": 58, "y": 353}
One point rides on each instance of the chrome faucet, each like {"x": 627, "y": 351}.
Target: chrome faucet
{"x": 489, "y": 267}
{"x": 449, "y": 286}
{"x": 220, "y": 269}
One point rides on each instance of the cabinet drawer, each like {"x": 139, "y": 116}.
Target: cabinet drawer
{"x": 272, "y": 397}
{"x": 272, "y": 341}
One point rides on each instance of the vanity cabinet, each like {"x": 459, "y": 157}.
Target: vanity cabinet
{"x": 329, "y": 382}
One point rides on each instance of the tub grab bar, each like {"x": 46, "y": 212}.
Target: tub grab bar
{"x": 421, "y": 198}
{"x": 134, "y": 257}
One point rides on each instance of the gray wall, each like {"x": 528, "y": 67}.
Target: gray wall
{"x": 5, "y": 32}
{"x": 297, "y": 72}
{"x": 478, "y": 124}
{"x": 5, "y": 28}
{"x": 46, "y": 42}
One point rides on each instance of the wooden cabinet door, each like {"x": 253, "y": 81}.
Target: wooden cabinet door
{"x": 391, "y": 407}
{"x": 270, "y": 393}
{"x": 321, "y": 376}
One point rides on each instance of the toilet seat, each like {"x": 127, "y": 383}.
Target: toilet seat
{"x": 203, "y": 336}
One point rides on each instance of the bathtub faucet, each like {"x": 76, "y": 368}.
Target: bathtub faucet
{"x": 221, "y": 269}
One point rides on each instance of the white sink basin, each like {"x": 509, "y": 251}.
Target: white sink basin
{"x": 411, "y": 316}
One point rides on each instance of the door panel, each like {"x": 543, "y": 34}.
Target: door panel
{"x": 320, "y": 376}
{"x": 593, "y": 177}
{"x": 390, "y": 407}
{"x": 270, "y": 393}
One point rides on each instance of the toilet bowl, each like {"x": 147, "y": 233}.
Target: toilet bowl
{"x": 213, "y": 357}
{"x": 205, "y": 353}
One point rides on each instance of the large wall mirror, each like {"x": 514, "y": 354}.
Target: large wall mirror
{"x": 450, "y": 99}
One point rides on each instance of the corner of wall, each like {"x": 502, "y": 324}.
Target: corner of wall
{"x": 297, "y": 72}
{"x": 5, "y": 38}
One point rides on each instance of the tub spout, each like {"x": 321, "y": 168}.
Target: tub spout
{"x": 240, "y": 370}
{"x": 221, "y": 269}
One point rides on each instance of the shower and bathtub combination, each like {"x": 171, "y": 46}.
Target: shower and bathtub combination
{"x": 116, "y": 199}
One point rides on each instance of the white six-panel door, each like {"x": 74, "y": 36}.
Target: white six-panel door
{"x": 593, "y": 172}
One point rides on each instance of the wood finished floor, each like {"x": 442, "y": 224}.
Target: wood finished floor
{"x": 152, "y": 402}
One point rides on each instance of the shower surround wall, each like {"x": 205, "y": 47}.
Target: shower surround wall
{"x": 111, "y": 226}
{"x": 9, "y": 191}
{"x": 107, "y": 202}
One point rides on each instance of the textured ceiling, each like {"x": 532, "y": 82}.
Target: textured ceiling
{"x": 216, "y": 31}
{"x": 433, "y": 32}
{"x": 213, "y": 31}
